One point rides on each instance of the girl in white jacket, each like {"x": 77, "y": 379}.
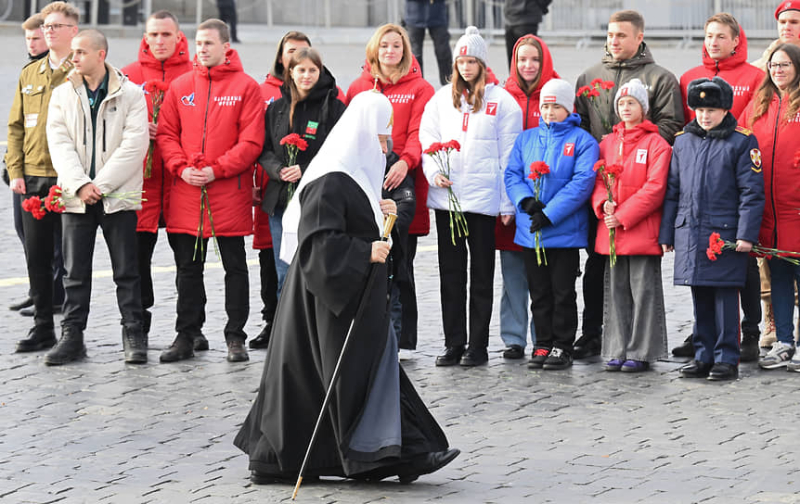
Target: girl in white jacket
{"x": 485, "y": 120}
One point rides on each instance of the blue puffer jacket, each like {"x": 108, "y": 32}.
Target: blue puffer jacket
{"x": 570, "y": 152}
{"x": 715, "y": 185}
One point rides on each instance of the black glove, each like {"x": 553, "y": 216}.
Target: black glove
{"x": 531, "y": 206}
{"x": 539, "y": 221}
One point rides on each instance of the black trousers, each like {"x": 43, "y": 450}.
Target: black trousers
{"x": 43, "y": 254}
{"x": 227, "y": 13}
{"x": 145, "y": 245}
{"x": 453, "y": 279}
{"x": 269, "y": 283}
{"x": 553, "y": 297}
{"x": 408, "y": 300}
{"x": 191, "y": 305}
{"x": 119, "y": 232}
{"x": 751, "y": 299}
{"x": 593, "y": 287}
{"x": 513, "y": 33}
{"x": 441, "y": 47}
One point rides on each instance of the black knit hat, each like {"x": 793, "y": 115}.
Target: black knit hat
{"x": 714, "y": 93}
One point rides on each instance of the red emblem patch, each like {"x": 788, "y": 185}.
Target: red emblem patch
{"x": 569, "y": 149}
{"x": 549, "y": 99}
{"x": 491, "y": 108}
{"x": 463, "y": 50}
{"x": 465, "y": 122}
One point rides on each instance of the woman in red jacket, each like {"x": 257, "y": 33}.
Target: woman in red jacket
{"x": 531, "y": 68}
{"x": 635, "y": 328}
{"x": 393, "y": 70}
{"x": 774, "y": 117}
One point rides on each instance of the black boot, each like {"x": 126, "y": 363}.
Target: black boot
{"x": 426, "y": 464}
{"x": 69, "y": 348}
{"x": 749, "y": 347}
{"x": 200, "y": 343}
{"x": 147, "y": 320}
{"x": 262, "y": 340}
{"x": 181, "y": 349}
{"x": 39, "y": 338}
{"x": 134, "y": 343}
{"x": 586, "y": 346}
{"x": 237, "y": 351}
{"x": 686, "y": 349}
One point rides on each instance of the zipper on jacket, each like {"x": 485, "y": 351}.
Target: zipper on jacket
{"x": 772, "y": 174}
{"x": 239, "y": 181}
{"x": 104, "y": 136}
{"x": 205, "y": 119}
{"x": 527, "y": 108}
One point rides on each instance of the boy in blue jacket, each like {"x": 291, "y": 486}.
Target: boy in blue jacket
{"x": 559, "y": 214}
{"x": 715, "y": 185}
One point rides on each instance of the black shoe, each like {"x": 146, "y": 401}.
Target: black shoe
{"x": 236, "y": 351}
{"x": 451, "y": 356}
{"x": 558, "y": 359}
{"x": 723, "y": 371}
{"x": 473, "y": 358}
{"x": 586, "y": 346}
{"x": 695, "y": 369}
{"x": 28, "y": 312}
{"x": 514, "y": 352}
{"x": 749, "y": 351}
{"x": 134, "y": 344}
{"x": 426, "y": 464}
{"x": 538, "y": 357}
{"x": 21, "y": 304}
{"x": 686, "y": 349}
{"x": 262, "y": 340}
{"x": 200, "y": 343}
{"x": 69, "y": 348}
{"x": 181, "y": 349}
{"x": 39, "y": 338}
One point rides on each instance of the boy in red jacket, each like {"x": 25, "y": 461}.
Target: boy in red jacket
{"x": 635, "y": 329}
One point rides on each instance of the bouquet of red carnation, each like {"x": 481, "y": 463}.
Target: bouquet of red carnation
{"x": 198, "y": 161}
{"x": 610, "y": 174}
{"x": 156, "y": 89}
{"x": 294, "y": 143}
{"x": 54, "y": 201}
{"x": 592, "y": 91}
{"x": 538, "y": 169}
{"x": 35, "y": 206}
{"x": 716, "y": 245}
{"x": 440, "y": 152}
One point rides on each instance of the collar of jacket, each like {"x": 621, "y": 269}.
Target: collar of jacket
{"x": 722, "y": 130}
{"x": 38, "y": 56}
{"x": 179, "y": 57}
{"x": 66, "y": 66}
{"x": 115, "y": 80}
{"x": 642, "y": 57}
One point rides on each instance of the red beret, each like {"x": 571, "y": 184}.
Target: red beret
{"x": 787, "y": 6}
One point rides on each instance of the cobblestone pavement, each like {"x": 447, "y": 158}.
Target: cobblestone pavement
{"x": 103, "y": 431}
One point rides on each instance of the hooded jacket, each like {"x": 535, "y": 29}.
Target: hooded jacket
{"x": 778, "y": 142}
{"x": 314, "y": 117}
{"x": 666, "y": 106}
{"x": 529, "y": 103}
{"x": 120, "y": 141}
{"x": 743, "y": 77}
{"x": 638, "y": 191}
{"x": 408, "y": 96}
{"x": 148, "y": 68}
{"x": 570, "y": 152}
{"x": 713, "y": 187}
{"x": 486, "y": 139}
{"x": 217, "y": 112}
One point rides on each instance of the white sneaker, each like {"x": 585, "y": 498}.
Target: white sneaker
{"x": 778, "y": 356}
{"x": 794, "y": 364}
{"x": 405, "y": 355}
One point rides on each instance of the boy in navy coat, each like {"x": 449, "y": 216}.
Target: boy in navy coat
{"x": 715, "y": 186}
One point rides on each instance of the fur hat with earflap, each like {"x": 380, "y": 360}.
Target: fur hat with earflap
{"x": 714, "y": 93}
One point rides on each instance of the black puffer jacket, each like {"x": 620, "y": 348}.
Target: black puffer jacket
{"x": 405, "y": 198}
{"x": 314, "y": 118}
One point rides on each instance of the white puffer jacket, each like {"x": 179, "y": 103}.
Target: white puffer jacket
{"x": 486, "y": 139}
{"x": 121, "y": 141}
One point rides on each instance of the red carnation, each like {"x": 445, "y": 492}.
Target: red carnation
{"x": 607, "y": 85}
{"x": 434, "y": 147}
{"x": 596, "y": 82}
{"x": 198, "y": 160}
{"x": 599, "y": 165}
{"x": 713, "y": 239}
{"x": 614, "y": 170}
{"x": 583, "y": 91}
{"x": 35, "y": 207}
{"x": 296, "y": 140}
{"x": 593, "y": 93}
{"x": 711, "y": 254}
{"x": 453, "y": 144}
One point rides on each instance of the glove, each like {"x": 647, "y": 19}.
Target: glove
{"x": 531, "y": 206}
{"x": 538, "y": 221}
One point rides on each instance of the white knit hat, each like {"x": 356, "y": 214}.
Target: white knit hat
{"x": 635, "y": 89}
{"x": 558, "y": 91}
{"x": 471, "y": 44}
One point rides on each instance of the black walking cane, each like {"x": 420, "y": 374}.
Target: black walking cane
{"x": 388, "y": 224}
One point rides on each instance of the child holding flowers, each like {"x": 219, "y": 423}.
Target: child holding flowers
{"x": 715, "y": 185}
{"x": 549, "y": 179}
{"x": 485, "y": 120}
{"x": 635, "y": 329}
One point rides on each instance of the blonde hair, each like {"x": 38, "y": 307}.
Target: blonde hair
{"x": 473, "y": 91}
{"x": 67, "y": 9}
{"x": 34, "y": 22}
{"x": 372, "y": 53}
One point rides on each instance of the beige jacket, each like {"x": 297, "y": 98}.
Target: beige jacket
{"x": 764, "y": 59}
{"x": 121, "y": 138}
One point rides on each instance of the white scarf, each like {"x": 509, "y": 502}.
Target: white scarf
{"x": 353, "y": 148}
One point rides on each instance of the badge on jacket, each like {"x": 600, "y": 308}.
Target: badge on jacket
{"x": 188, "y": 100}
{"x": 311, "y": 129}
{"x": 569, "y": 149}
{"x": 491, "y": 108}
{"x": 641, "y": 156}
{"x": 755, "y": 157}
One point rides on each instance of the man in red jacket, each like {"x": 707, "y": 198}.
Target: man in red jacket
{"x": 163, "y": 56}
{"x": 210, "y": 131}
{"x": 725, "y": 56}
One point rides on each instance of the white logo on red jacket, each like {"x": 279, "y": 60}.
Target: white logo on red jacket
{"x": 188, "y": 100}
{"x": 641, "y": 156}
{"x": 401, "y": 97}
{"x": 227, "y": 101}
{"x": 491, "y": 108}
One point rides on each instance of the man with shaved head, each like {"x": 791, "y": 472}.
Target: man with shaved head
{"x": 98, "y": 136}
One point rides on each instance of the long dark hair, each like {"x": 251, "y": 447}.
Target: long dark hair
{"x": 299, "y": 56}
{"x": 524, "y": 86}
{"x": 767, "y": 89}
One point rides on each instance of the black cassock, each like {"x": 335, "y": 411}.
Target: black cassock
{"x": 375, "y": 418}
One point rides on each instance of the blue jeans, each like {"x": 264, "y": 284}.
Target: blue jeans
{"x": 276, "y": 229}
{"x": 783, "y": 275}
{"x": 514, "y": 320}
